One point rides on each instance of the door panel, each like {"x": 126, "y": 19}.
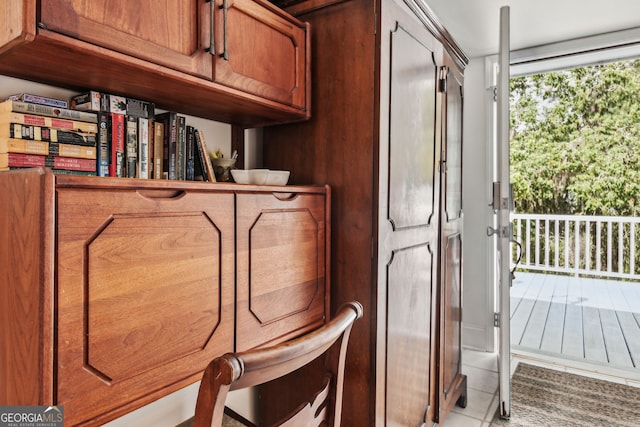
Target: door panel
{"x": 452, "y": 382}
{"x": 409, "y": 339}
{"x": 166, "y": 32}
{"x": 280, "y": 257}
{"x": 129, "y": 269}
{"x": 409, "y": 212}
{"x": 412, "y": 135}
{"x": 261, "y": 51}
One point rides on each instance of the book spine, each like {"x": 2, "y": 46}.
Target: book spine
{"x": 138, "y": 108}
{"x": 211, "y": 177}
{"x": 199, "y": 168}
{"x": 90, "y": 101}
{"x": 116, "y": 167}
{"x": 190, "y": 171}
{"x": 170, "y": 123}
{"x": 48, "y": 148}
{"x": 39, "y": 133}
{"x": 131, "y": 149}
{"x": 55, "y": 162}
{"x": 42, "y": 100}
{"x": 45, "y": 110}
{"x": 51, "y": 122}
{"x": 143, "y": 148}
{"x": 173, "y": 141}
{"x": 158, "y": 149}
{"x": 181, "y": 149}
{"x": 102, "y": 160}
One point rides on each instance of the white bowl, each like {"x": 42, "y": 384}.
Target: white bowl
{"x": 277, "y": 178}
{"x": 250, "y": 176}
{"x": 258, "y": 176}
{"x": 241, "y": 176}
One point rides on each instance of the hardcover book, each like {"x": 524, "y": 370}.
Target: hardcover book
{"x": 45, "y": 110}
{"x": 131, "y": 147}
{"x": 12, "y": 145}
{"x": 51, "y": 122}
{"x": 37, "y": 99}
{"x": 39, "y": 133}
{"x": 189, "y": 154}
{"x": 208, "y": 166}
{"x": 143, "y": 148}
{"x": 104, "y": 142}
{"x": 158, "y": 150}
{"x": 54, "y": 162}
{"x": 170, "y": 120}
{"x": 181, "y": 155}
{"x": 116, "y": 166}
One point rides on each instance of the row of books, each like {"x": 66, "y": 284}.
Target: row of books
{"x": 105, "y": 135}
{"x": 35, "y": 135}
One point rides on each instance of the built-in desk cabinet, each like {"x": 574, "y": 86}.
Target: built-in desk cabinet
{"x": 244, "y": 61}
{"x": 116, "y": 292}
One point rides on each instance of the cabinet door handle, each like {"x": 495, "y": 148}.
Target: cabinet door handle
{"x": 225, "y": 9}
{"x": 212, "y": 44}
{"x": 285, "y": 196}
{"x": 167, "y": 194}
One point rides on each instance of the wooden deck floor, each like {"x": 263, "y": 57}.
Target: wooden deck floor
{"x": 595, "y": 321}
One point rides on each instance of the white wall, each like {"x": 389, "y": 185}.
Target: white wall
{"x": 478, "y": 308}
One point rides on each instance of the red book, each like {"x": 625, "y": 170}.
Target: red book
{"x": 116, "y": 166}
{"x": 54, "y": 162}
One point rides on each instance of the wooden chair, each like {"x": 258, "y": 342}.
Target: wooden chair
{"x": 234, "y": 371}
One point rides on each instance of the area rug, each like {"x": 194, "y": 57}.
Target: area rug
{"x": 543, "y": 397}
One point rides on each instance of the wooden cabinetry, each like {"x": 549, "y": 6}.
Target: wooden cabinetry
{"x": 244, "y": 62}
{"x": 116, "y": 292}
{"x": 386, "y": 135}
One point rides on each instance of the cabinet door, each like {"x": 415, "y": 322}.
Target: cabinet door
{"x": 281, "y": 283}
{"x": 171, "y": 33}
{"x": 261, "y": 50}
{"x": 409, "y": 217}
{"x": 144, "y": 294}
{"x": 452, "y": 381}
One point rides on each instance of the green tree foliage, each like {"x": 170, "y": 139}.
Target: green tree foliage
{"x": 575, "y": 141}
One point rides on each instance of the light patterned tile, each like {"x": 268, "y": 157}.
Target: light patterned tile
{"x": 481, "y": 379}
{"x": 458, "y": 420}
{"x": 480, "y": 359}
{"x": 478, "y": 403}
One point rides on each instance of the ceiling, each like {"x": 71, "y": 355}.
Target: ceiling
{"x": 474, "y": 24}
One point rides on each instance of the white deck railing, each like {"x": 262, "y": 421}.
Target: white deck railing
{"x": 602, "y": 246}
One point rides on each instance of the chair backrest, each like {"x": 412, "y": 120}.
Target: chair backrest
{"x": 233, "y": 371}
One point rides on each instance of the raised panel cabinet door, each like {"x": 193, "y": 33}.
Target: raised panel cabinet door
{"x": 144, "y": 294}
{"x": 261, "y": 50}
{"x": 409, "y": 218}
{"x": 281, "y": 263}
{"x": 170, "y": 33}
{"x": 452, "y": 381}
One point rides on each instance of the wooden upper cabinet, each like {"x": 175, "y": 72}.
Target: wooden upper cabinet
{"x": 168, "y": 33}
{"x": 244, "y": 62}
{"x": 260, "y": 50}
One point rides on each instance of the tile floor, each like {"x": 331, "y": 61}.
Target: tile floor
{"x": 481, "y": 369}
